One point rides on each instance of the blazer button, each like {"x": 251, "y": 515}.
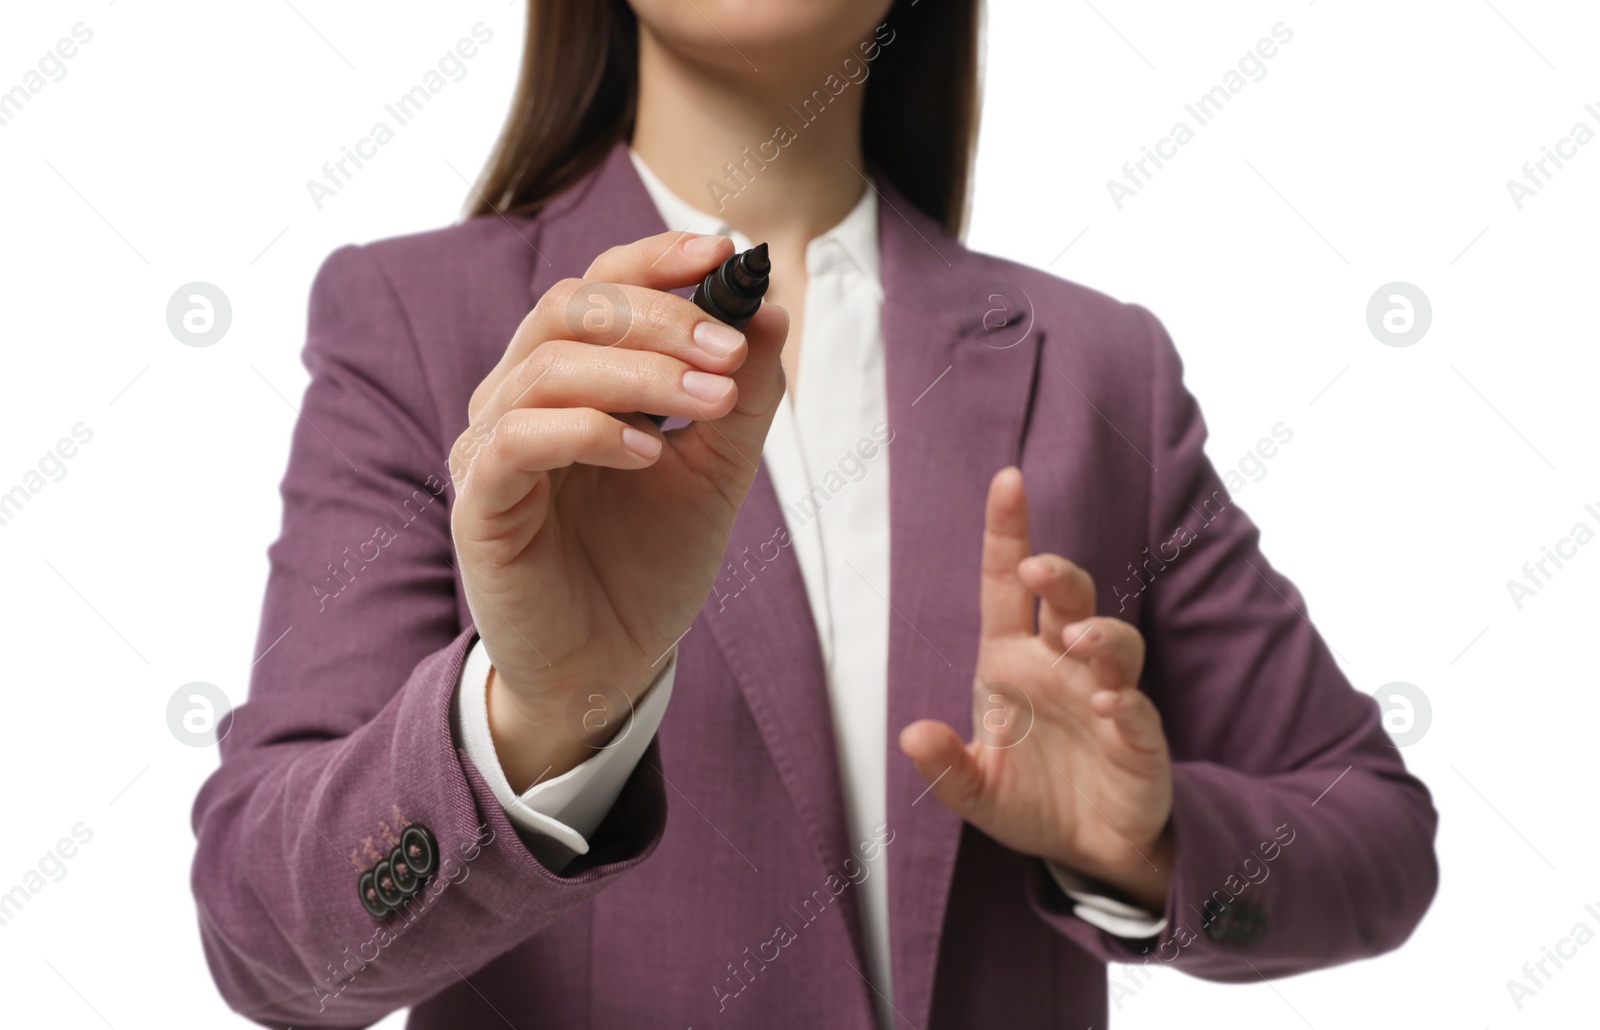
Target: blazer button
{"x": 1252, "y": 926}
{"x": 421, "y": 850}
{"x": 1238, "y": 924}
{"x": 1217, "y": 926}
{"x": 383, "y": 882}
{"x": 369, "y": 896}
{"x": 404, "y": 878}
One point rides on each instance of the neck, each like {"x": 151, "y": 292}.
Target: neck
{"x": 793, "y": 172}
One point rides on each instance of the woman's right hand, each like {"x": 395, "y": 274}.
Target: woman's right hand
{"x": 588, "y": 540}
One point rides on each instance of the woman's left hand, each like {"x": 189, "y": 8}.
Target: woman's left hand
{"x": 1068, "y": 760}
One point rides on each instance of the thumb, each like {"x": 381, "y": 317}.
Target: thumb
{"x": 949, "y": 769}
{"x": 729, "y": 448}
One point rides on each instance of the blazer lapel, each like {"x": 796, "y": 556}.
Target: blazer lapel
{"x": 609, "y": 207}
{"x": 961, "y": 353}
{"x": 760, "y": 617}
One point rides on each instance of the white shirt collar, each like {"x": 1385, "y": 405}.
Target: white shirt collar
{"x": 856, "y": 236}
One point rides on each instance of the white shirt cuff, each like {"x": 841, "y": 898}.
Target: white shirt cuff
{"x": 1100, "y": 910}
{"x": 564, "y": 810}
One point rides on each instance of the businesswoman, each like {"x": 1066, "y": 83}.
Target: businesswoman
{"x": 919, "y": 666}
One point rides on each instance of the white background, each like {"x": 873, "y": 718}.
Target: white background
{"x": 1419, "y": 479}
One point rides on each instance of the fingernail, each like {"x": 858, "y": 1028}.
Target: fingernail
{"x": 716, "y": 339}
{"x": 703, "y": 386}
{"x": 640, "y": 443}
{"x": 702, "y": 247}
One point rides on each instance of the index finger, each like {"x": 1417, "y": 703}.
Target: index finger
{"x": 1005, "y": 604}
{"x": 665, "y": 261}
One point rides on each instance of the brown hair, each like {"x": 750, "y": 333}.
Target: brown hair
{"x": 577, "y": 93}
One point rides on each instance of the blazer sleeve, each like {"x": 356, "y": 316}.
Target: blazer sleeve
{"x": 1301, "y": 840}
{"x": 346, "y": 738}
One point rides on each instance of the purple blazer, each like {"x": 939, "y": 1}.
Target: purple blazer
{"x": 716, "y": 892}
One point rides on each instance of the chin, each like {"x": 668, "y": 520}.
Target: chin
{"x": 770, "y": 32}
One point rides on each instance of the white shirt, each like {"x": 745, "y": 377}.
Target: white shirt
{"x": 836, "y": 505}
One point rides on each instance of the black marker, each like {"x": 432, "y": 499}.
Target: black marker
{"x": 732, "y": 292}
